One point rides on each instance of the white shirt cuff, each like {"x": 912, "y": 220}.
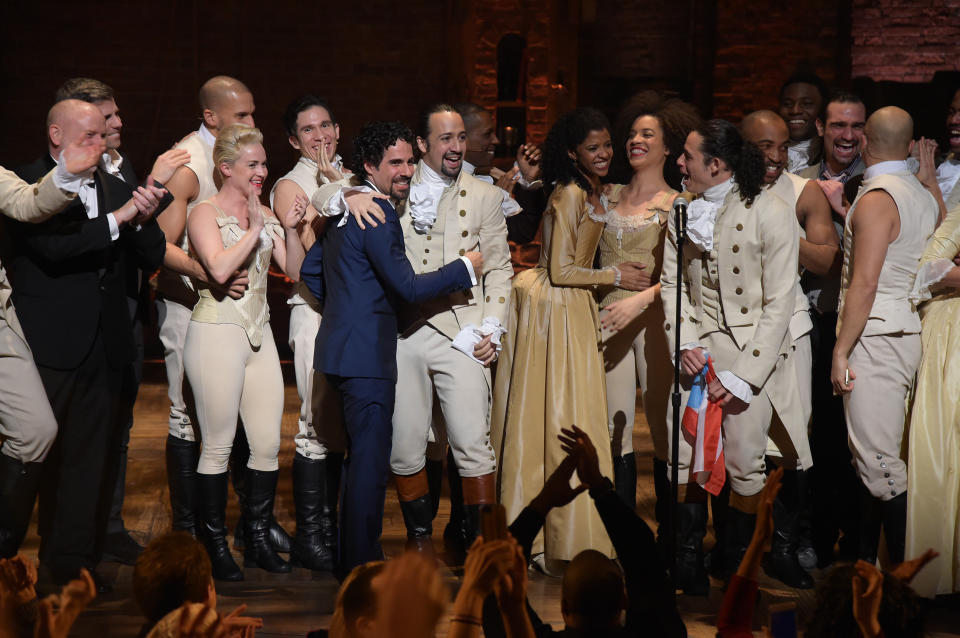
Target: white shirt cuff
{"x": 337, "y": 203}
{"x": 468, "y": 337}
{"x": 66, "y": 181}
{"x": 473, "y": 275}
{"x": 735, "y": 386}
{"x": 692, "y": 345}
{"x": 537, "y": 183}
{"x": 114, "y": 228}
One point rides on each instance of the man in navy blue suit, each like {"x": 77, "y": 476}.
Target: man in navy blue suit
{"x": 361, "y": 279}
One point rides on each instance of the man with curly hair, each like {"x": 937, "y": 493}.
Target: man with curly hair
{"x": 361, "y": 279}
{"x": 740, "y": 266}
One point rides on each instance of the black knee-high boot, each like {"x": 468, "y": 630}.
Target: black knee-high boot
{"x": 895, "y": 527}
{"x": 691, "y": 575}
{"x": 19, "y": 483}
{"x": 239, "y": 455}
{"x": 258, "y": 512}
{"x": 212, "y": 490}
{"x": 182, "y": 457}
{"x": 328, "y": 515}
{"x": 625, "y": 479}
{"x": 782, "y": 563}
{"x": 309, "y": 493}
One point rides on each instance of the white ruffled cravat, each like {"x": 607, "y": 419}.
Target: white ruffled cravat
{"x": 702, "y": 215}
{"x": 425, "y": 197}
{"x": 948, "y": 174}
{"x": 798, "y": 156}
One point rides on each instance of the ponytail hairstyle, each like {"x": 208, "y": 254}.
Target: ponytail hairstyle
{"x": 723, "y": 141}
{"x": 565, "y": 135}
{"x": 231, "y": 140}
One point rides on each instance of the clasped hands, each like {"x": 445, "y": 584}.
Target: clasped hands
{"x": 691, "y": 363}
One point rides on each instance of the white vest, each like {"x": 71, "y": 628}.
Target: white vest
{"x": 892, "y": 311}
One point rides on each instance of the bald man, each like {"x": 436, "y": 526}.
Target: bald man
{"x": 27, "y": 424}
{"x": 223, "y": 101}
{"x": 69, "y": 286}
{"x": 878, "y": 333}
{"x": 819, "y": 250}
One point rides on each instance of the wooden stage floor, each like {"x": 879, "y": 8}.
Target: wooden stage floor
{"x": 292, "y": 604}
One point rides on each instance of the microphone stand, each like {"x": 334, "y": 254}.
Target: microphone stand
{"x": 680, "y": 229}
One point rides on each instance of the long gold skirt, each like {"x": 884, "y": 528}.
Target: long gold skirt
{"x": 550, "y": 376}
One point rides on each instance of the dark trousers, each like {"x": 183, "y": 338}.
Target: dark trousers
{"x": 368, "y": 420}
{"x": 834, "y": 481}
{"x": 131, "y": 386}
{"x": 77, "y": 483}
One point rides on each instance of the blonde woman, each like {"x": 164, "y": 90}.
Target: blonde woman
{"x": 230, "y": 356}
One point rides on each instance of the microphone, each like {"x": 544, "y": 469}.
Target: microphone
{"x": 680, "y": 212}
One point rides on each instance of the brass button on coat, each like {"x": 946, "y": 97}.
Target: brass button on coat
{"x": 756, "y": 353}
{"x": 735, "y": 248}
{"x": 743, "y": 311}
{"x": 424, "y": 262}
{"x": 739, "y": 290}
{"x": 463, "y": 193}
{"x": 463, "y": 233}
{"x": 736, "y": 270}
{"x": 462, "y": 252}
{"x": 739, "y": 226}
{"x": 463, "y": 213}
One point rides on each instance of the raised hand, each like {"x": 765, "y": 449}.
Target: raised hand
{"x": 324, "y": 167}
{"x": 575, "y": 442}
{"x": 867, "y": 587}
{"x": 556, "y": 491}
{"x": 73, "y": 599}
{"x": 81, "y": 158}
{"x": 528, "y": 159}
{"x": 834, "y": 192}
{"x": 764, "y": 527}
{"x": 254, "y": 214}
{"x": 413, "y": 597}
{"x": 239, "y": 626}
{"x": 297, "y": 210}
{"x": 905, "y": 571}
{"x": 486, "y": 562}
{"x": 507, "y": 181}
{"x": 167, "y": 164}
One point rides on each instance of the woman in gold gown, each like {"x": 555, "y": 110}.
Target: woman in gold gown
{"x": 550, "y": 374}
{"x": 651, "y": 130}
{"x": 933, "y": 466}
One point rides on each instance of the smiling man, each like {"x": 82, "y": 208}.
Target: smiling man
{"x": 948, "y": 173}
{"x": 314, "y": 133}
{"x": 801, "y": 100}
{"x": 841, "y": 128}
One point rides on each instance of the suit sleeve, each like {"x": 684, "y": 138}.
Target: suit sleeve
{"x": 779, "y": 255}
{"x": 311, "y": 271}
{"x": 60, "y": 241}
{"x": 148, "y": 244}
{"x": 668, "y": 291}
{"x": 384, "y": 248}
{"x": 498, "y": 270}
{"x": 31, "y": 202}
{"x": 522, "y": 228}
{"x": 568, "y": 205}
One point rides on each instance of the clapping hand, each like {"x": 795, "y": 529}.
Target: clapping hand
{"x": 556, "y": 491}
{"x": 528, "y": 159}
{"x": 905, "y": 571}
{"x": 867, "y": 587}
{"x": 296, "y": 213}
{"x": 81, "y": 158}
{"x": 576, "y": 443}
{"x": 73, "y": 599}
{"x": 254, "y": 214}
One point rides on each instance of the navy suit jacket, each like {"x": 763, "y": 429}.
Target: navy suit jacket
{"x": 361, "y": 279}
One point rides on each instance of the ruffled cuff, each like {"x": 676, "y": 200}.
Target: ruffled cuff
{"x": 735, "y": 386}
{"x": 930, "y": 274}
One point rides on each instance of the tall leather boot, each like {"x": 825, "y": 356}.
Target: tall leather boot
{"x": 239, "y": 455}
{"x": 417, "y": 509}
{"x": 661, "y": 488}
{"x": 212, "y": 490}
{"x": 328, "y": 509}
{"x": 871, "y": 519}
{"x": 19, "y": 483}
{"x": 625, "y": 479}
{"x": 455, "y": 533}
{"x": 477, "y": 492}
{"x": 895, "y": 527}
{"x": 182, "y": 458}
{"x": 719, "y": 506}
{"x": 691, "y": 575}
{"x": 738, "y": 531}
{"x": 309, "y": 492}
{"x": 257, "y": 516}
{"x": 781, "y": 562}
{"x": 434, "y": 471}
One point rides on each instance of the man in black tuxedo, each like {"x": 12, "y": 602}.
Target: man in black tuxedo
{"x": 69, "y": 285}
{"x": 119, "y": 546}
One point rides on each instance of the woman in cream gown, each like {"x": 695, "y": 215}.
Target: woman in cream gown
{"x": 933, "y": 467}
{"x": 550, "y": 373}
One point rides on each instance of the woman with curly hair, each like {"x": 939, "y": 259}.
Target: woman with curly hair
{"x": 651, "y": 129}
{"x": 550, "y": 373}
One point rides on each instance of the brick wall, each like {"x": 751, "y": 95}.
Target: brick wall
{"x": 905, "y": 40}
{"x": 759, "y": 45}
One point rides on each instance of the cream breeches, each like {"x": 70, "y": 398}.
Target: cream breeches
{"x": 230, "y": 378}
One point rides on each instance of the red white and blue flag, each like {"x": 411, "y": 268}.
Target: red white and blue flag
{"x": 702, "y": 428}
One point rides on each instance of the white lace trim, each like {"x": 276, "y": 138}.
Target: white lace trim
{"x": 930, "y": 274}
{"x": 592, "y": 212}
{"x": 634, "y": 223}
